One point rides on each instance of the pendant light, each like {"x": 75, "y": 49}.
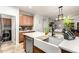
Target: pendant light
{"x": 60, "y": 16}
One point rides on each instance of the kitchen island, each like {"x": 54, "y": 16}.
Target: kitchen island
{"x": 54, "y": 45}
{"x": 70, "y": 45}
{"x": 37, "y": 39}
{"x": 29, "y": 39}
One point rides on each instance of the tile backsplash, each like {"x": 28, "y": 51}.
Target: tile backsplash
{"x": 25, "y": 28}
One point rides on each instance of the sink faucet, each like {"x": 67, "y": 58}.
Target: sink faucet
{"x": 51, "y": 24}
{"x": 52, "y": 31}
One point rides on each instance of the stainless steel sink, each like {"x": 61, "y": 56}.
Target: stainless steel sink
{"x": 54, "y": 40}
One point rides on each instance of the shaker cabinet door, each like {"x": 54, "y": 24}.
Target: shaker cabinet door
{"x": 20, "y": 20}
{"x": 26, "y": 20}
{"x": 30, "y": 20}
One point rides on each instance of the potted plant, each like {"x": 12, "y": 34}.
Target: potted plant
{"x": 46, "y": 30}
{"x": 68, "y": 23}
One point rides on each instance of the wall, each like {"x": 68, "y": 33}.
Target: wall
{"x": 13, "y": 12}
{"x": 46, "y": 22}
{"x": 13, "y": 29}
{"x": 40, "y": 22}
{"x": 75, "y": 20}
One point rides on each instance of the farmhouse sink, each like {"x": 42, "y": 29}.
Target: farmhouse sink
{"x": 49, "y": 44}
{"x": 54, "y": 40}
{"x": 43, "y": 37}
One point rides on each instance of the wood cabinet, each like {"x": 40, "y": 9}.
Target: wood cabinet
{"x": 21, "y": 37}
{"x": 6, "y": 21}
{"x": 20, "y": 20}
{"x": 24, "y": 44}
{"x": 26, "y": 20}
{"x": 77, "y": 34}
{"x": 30, "y": 20}
{"x": 37, "y": 50}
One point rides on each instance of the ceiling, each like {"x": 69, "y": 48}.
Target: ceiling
{"x": 52, "y": 11}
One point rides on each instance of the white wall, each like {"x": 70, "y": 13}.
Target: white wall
{"x": 13, "y": 12}
{"x": 46, "y": 22}
{"x": 75, "y": 20}
{"x": 40, "y": 22}
{"x": 13, "y": 22}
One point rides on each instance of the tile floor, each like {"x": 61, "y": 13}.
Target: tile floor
{"x": 9, "y": 47}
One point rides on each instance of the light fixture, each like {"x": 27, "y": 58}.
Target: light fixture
{"x": 60, "y": 16}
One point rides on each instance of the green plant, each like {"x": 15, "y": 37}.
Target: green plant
{"x": 46, "y": 29}
{"x": 68, "y": 22}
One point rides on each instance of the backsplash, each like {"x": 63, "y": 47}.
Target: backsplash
{"x": 25, "y": 28}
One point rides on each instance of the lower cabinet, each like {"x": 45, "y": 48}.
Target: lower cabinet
{"x": 77, "y": 34}
{"x": 24, "y": 44}
{"x": 64, "y": 51}
{"x": 21, "y": 37}
{"x": 37, "y": 50}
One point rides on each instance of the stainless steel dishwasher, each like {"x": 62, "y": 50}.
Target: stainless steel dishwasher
{"x": 29, "y": 44}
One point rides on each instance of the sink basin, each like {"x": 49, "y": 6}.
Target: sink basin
{"x": 49, "y": 44}
{"x": 54, "y": 40}
{"x": 43, "y": 37}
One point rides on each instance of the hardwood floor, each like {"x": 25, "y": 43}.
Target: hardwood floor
{"x": 9, "y": 47}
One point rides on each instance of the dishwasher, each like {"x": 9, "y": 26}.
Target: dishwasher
{"x": 29, "y": 44}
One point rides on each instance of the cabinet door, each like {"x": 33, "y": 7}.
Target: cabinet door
{"x": 24, "y": 43}
{"x": 21, "y": 37}
{"x": 26, "y": 20}
{"x": 4, "y": 21}
{"x": 37, "y": 50}
{"x": 20, "y": 20}
{"x": 30, "y": 20}
{"x": 8, "y": 21}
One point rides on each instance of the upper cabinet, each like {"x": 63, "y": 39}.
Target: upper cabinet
{"x": 20, "y": 20}
{"x": 7, "y": 21}
{"x": 30, "y": 20}
{"x": 26, "y": 20}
